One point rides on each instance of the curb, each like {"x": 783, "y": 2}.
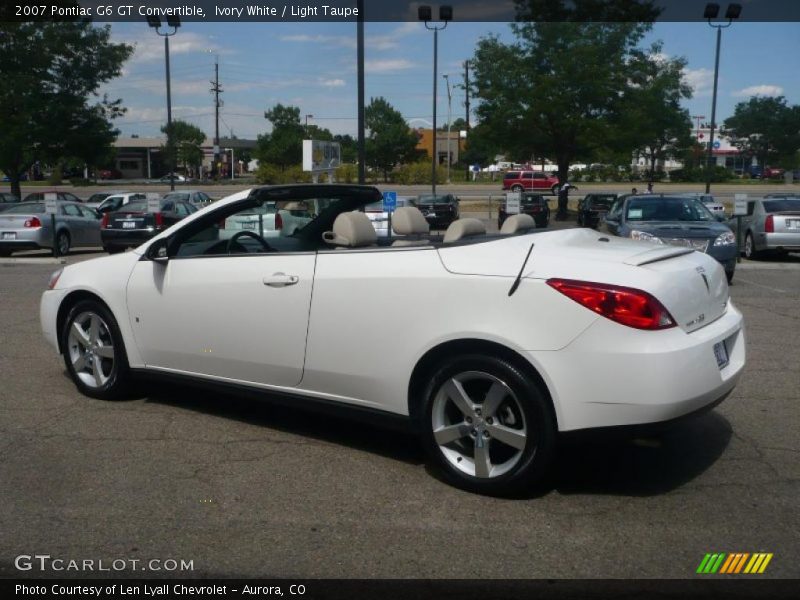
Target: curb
{"x": 32, "y": 261}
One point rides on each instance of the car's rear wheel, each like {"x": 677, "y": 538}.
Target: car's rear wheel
{"x": 94, "y": 353}
{"x": 750, "y": 247}
{"x": 517, "y": 188}
{"x": 62, "y": 243}
{"x": 5, "y": 252}
{"x": 729, "y": 276}
{"x": 554, "y": 190}
{"x": 488, "y": 427}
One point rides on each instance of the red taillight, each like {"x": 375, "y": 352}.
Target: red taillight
{"x": 278, "y": 222}
{"x": 33, "y": 222}
{"x": 104, "y": 221}
{"x": 769, "y": 225}
{"x": 624, "y": 305}
{"x": 159, "y": 219}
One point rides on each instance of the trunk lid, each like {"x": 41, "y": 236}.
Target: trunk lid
{"x": 691, "y": 285}
{"x": 128, "y": 221}
{"x": 784, "y": 222}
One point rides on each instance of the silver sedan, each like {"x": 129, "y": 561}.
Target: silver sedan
{"x": 771, "y": 224}
{"x": 26, "y": 226}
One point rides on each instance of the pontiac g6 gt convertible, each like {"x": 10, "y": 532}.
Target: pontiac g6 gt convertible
{"x": 483, "y": 367}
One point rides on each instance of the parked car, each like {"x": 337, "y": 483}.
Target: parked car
{"x": 109, "y": 174}
{"x": 519, "y": 181}
{"x": 60, "y": 196}
{"x": 592, "y": 208}
{"x": 26, "y": 226}
{"x": 178, "y": 178}
{"x": 6, "y": 200}
{"x": 380, "y": 218}
{"x": 96, "y": 199}
{"x": 196, "y": 197}
{"x": 534, "y": 205}
{"x": 673, "y": 220}
{"x": 270, "y": 219}
{"x": 117, "y": 201}
{"x": 439, "y": 210}
{"x": 22, "y": 177}
{"x": 771, "y": 225}
{"x": 133, "y": 223}
{"x": 774, "y": 173}
{"x": 486, "y": 380}
{"x": 717, "y": 208}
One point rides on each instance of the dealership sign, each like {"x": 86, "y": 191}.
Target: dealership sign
{"x": 319, "y": 156}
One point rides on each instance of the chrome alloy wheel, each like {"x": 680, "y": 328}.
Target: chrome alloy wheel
{"x": 478, "y": 424}
{"x": 91, "y": 349}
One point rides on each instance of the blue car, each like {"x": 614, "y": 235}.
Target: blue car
{"x": 676, "y": 220}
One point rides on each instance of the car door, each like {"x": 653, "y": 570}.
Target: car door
{"x": 91, "y": 223}
{"x": 527, "y": 180}
{"x": 75, "y": 223}
{"x": 611, "y": 223}
{"x": 223, "y": 308}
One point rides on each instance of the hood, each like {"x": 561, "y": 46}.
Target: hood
{"x": 693, "y": 229}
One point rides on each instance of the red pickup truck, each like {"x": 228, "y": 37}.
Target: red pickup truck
{"x": 518, "y": 181}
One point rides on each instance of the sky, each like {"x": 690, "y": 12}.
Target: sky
{"x": 313, "y": 66}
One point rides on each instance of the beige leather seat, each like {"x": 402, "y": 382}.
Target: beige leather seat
{"x": 463, "y": 228}
{"x": 352, "y": 230}
{"x": 409, "y": 221}
{"x": 517, "y": 224}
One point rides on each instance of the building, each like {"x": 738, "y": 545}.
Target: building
{"x": 455, "y": 146}
{"x": 723, "y": 154}
{"x": 141, "y": 157}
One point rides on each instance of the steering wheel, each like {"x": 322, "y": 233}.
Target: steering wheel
{"x": 251, "y": 234}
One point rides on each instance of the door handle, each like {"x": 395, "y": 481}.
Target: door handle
{"x": 280, "y": 280}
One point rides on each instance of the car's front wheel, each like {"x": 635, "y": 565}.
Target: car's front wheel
{"x": 62, "y": 243}
{"x": 488, "y": 427}
{"x": 94, "y": 353}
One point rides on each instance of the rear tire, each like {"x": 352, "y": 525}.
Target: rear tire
{"x": 5, "y": 252}
{"x": 750, "y": 251}
{"x": 729, "y": 276}
{"x": 62, "y": 243}
{"x": 487, "y": 427}
{"x": 554, "y": 190}
{"x": 94, "y": 353}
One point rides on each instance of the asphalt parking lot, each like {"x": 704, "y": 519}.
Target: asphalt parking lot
{"x": 247, "y": 489}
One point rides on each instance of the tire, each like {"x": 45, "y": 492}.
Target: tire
{"x": 113, "y": 249}
{"x": 62, "y": 243}
{"x": 554, "y": 190}
{"x": 517, "y": 188}
{"x": 750, "y": 251}
{"x": 729, "y": 276}
{"x": 82, "y": 354}
{"x": 5, "y": 252}
{"x": 520, "y": 411}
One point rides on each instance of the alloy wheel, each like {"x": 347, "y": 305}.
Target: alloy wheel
{"x": 478, "y": 424}
{"x": 91, "y": 349}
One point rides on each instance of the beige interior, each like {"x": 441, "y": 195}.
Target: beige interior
{"x": 517, "y": 224}
{"x": 351, "y": 229}
{"x": 463, "y": 228}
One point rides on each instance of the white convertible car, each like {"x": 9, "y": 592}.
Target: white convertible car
{"x": 514, "y": 337}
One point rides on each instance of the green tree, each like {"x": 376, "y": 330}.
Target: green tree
{"x": 349, "y": 147}
{"x": 53, "y": 71}
{"x": 283, "y": 146}
{"x": 651, "y": 118}
{"x": 557, "y": 91}
{"x": 390, "y": 141}
{"x": 184, "y": 144}
{"x": 480, "y": 148}
{"x": 766, "y": 128}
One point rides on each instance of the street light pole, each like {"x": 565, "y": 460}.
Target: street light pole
{"x": 307, "y": 118}
{"x": 712, "y": 10}
{"x": 174, "y": 22}
{"x": 445, "y": 15}
{"x": 449, "y": 118}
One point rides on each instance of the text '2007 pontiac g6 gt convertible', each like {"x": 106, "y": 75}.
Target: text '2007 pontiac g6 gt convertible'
{"x": 485, "y": 373}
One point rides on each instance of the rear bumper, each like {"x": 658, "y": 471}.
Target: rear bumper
{"x": 778, "y": 241}
{"x": 126, "y": 239}
{"x": 613, "y": 376}
{"x": 30, "y": 239}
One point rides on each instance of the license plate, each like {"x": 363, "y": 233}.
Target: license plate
{"x": 793, "y": 223}
{"x": 128, "y": 224}
{"x": 9, "y": 235}
{"x": 248, "y": 225}
{"x": 721, "y": 354}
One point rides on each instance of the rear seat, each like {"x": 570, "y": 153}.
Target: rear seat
{"x": 351, "y": 230}
{"x": 517, "y": 224}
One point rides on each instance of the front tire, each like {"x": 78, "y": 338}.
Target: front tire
{"x": 94, "y": 353}
{"x": 487, "y": 427}
{"x": 62, "y": 243}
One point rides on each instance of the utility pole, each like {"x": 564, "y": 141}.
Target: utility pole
{"x": 449, "y": 119}
{"x": 466, "y": 105}
{"x": 216, "y": 90}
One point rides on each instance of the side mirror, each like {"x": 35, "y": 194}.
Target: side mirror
{"x": 158, "y": 252}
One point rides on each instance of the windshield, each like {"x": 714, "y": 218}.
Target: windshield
{"x": 434, "y": 199}
{"x": 601, "y": 201}
{"x": 175, "y": 196}
{"x": 772, "y": 206}
{"x": 667, "y": 209}
{"x": 26, "y": 208}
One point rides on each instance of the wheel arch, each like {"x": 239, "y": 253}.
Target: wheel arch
{"x": 429, "y": 361}
{"x": 66, "y": 305}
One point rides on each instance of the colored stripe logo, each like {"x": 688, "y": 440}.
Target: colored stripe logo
{"x": 734, "y": 563}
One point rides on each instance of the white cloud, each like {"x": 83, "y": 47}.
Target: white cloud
{"x": 387, "y": 65}
{"x": 759, "y": 90}
{"x": 332, "y": 82}
{"x": 343, "y": 41}
{"x": 185, "y": 43}
{"x": 700, "y": 80}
